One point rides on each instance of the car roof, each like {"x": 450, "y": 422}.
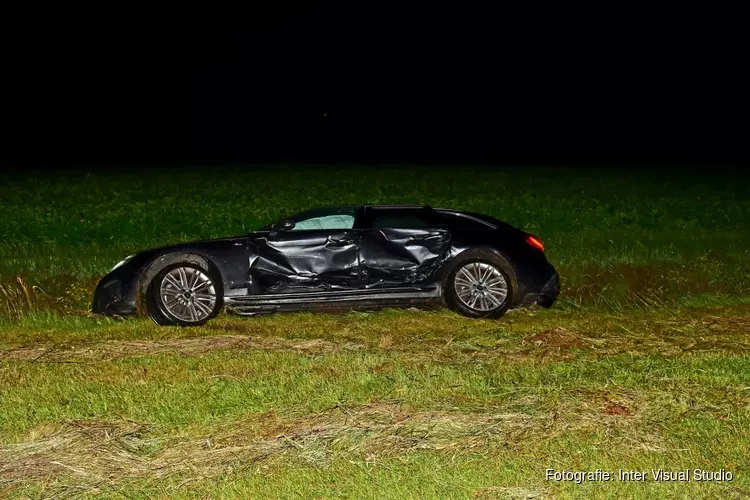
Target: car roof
{"x": 414, "y": 205}
{"x": 481, "y": 218}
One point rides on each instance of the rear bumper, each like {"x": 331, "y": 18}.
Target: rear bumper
{"x": 550, "y": 292}
{"x": 546, "y": 296}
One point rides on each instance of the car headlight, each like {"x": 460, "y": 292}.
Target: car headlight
{"x": 122, "y": 262}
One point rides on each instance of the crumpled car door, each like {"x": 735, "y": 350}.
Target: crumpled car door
{"x": 401, "y": 256}
{"x": 298, "y": 261}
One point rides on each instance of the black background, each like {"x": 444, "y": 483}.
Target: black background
{"x": 377, "y": 83}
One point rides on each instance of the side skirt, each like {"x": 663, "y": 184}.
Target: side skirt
{"x": 336, "y": 300}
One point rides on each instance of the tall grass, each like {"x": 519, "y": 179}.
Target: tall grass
{"x": 19, "y": 299}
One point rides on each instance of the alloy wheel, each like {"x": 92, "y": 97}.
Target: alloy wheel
{"x": 480, "y": 286}
{"x": 188, "y": 294}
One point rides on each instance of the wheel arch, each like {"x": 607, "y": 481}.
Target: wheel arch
{"x": 456, "y": 259}
{"x": 155, "y": 265}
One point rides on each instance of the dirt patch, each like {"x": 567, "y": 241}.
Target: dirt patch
{"x": 616, "y": 409}
{"x": 556, "y": 337}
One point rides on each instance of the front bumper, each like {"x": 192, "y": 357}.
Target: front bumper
{"x": 113, "y": 297}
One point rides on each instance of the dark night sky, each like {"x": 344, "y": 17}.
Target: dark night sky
{"x": 381, "y": 84}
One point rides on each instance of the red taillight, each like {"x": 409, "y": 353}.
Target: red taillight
{"x": 535, "y": 242}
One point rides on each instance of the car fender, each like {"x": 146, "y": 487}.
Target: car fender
{"x": 159, "y": 262}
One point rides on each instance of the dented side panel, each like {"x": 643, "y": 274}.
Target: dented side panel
{"x": 392, "y": 257}
{"x": 304, "y": 261}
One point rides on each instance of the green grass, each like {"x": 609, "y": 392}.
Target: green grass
{"x": 393, "y": 403}
{"x": 617, "y": 239}
{"x": 642, "y": 364}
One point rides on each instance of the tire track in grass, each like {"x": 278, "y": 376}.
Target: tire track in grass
{"x": 194, "y": 346}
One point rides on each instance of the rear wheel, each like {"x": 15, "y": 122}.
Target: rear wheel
{"x": 183, "y": 294}
{"x": 481, "y": 285}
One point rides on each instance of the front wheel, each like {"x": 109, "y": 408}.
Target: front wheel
{"x": 183, "y": 294}
{"x": 480, "y": 286}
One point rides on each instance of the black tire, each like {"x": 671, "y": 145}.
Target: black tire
{"x": 486, "y": 258}
{"x": 160, "y": 312}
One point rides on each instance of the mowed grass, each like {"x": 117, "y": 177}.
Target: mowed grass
{"x": 389, "y": 404}
{"x": 643, "y": 364}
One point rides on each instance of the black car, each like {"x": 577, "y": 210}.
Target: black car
{"x": 344, "y": 258}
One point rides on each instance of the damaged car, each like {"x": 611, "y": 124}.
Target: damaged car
{"x": 343, "y": 258}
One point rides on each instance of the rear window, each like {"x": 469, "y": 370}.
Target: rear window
{"x": 454, "y": 220}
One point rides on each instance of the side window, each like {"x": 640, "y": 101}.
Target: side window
{"x": 325, "y": 222}
{"x": 398, "y": 219}
{"x": 324, "y": 219}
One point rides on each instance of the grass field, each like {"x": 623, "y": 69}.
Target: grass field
{"x": 642, "y": 364}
